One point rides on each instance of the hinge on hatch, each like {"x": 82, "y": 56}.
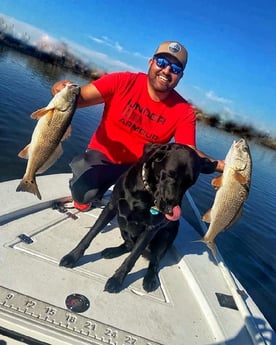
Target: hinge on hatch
{"x": 26, "y": 239}
{"x": 60, "y": 207}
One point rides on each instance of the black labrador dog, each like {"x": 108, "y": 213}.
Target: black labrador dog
{"x": 147, "y": 201}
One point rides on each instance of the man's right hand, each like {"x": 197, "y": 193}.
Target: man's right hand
{"x": 89, "y": 94}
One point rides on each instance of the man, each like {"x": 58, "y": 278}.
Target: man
{"x": 139, "y": 108}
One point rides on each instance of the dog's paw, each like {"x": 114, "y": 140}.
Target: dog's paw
{"x": 69, "y": 260}
{"x": 113, "y": 285}
{"x": 110, "y": 253}
{"x": 150, "y": 282}
{"x": 114, "y": 252}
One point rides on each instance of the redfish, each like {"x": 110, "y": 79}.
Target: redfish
{"x": 52, "y": 128}
{"x": 232, "y": 191}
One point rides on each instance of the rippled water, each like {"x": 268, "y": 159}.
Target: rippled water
{"x": 248, "y": 248}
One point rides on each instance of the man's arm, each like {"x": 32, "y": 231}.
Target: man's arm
{"x": 89, "y": 94}
{"x": 220, "y": 165}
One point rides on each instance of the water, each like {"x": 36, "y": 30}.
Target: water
{"x": 248, "y": 248}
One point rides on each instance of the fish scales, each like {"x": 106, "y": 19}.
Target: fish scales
{"x": 226, "y": 203}
{"x": 48, "y": 134}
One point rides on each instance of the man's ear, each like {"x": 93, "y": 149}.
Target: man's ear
{"x": 150, "y": 62}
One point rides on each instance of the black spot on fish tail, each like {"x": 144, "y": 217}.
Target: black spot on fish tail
{"x": 29, "y": 186}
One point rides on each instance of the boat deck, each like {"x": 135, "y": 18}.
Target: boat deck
{"x": 193, "y": 305}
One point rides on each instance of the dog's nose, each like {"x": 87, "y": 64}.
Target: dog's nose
{"x": 169, "y": 210}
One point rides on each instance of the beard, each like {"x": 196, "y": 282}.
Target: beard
{"x": 161, "y": 82}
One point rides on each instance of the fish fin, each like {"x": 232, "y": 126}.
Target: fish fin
{"x": 207, "y": 216}
{"x": 51, "y": 160}
{"x": 25, "y": 152}
{"x": 217, "y": 182}
{"x": 67, "y": 134}
{"x": 50, "y": 116}
{"x": 41, "y": 112}
{"x": 240, "y": 178}
{"x": 30, "y": 186}
{"x": 235, "y": 219}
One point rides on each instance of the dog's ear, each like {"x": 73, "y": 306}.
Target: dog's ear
{"x": 156, "y": 152}
{"x": 123, "y": 208}
{"x": 207, "y": 167}
{"x": 123, "y": 212}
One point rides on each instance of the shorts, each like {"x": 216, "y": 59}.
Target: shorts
{"x": 93, "y": 174}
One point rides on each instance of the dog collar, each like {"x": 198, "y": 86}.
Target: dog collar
{"x": 147, "y": 187}
{"x": 154, "y": 210}
{"x": 144, "y": 178}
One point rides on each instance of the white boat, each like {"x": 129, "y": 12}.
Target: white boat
{"x": 199, "y": 301}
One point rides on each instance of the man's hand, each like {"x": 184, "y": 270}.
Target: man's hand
{"x": 220, "y": 166}
{"x": 59, "y": 85}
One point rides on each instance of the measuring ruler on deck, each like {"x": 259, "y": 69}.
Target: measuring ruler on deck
{"x": 64, "y": 321}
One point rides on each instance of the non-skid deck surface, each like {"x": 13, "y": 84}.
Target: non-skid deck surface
{"x": 33, "y": 286}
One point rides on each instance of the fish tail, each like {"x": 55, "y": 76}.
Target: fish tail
{"x": 213, "y": 248}
{"x": 211, "y": 245}
{"x": 29, "y": 185}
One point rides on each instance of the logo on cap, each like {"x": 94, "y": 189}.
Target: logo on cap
{"x": 174, "y": 47}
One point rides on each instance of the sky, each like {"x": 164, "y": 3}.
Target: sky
{"x": 231, "y": 67}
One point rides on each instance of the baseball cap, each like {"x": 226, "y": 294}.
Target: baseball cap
{"x": 174, "y": 49}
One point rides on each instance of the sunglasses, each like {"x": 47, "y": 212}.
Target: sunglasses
{"x": 163, "y": 63}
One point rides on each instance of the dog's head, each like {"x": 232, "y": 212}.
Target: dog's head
{"x": 170, "y": 169}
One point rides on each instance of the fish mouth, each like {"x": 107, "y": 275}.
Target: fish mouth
{"x": 241, "y": 145}
{"x": 240, "y": 142}
{"x": 73, "y": 88}
{"x": 71, "y": 85}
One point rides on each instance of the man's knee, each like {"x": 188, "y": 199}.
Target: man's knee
{"x": 81, "y": 193}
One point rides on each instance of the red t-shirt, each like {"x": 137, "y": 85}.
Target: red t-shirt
{"x": 131, "y": 118}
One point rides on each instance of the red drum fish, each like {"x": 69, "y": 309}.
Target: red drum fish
{"x": 52, "y": 128}
{"x": 232, "y": 191}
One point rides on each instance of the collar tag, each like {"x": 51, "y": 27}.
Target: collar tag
{"x": 154, "y": 210}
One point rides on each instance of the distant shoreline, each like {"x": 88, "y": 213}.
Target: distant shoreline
{"x": 63, "y": 58}
{"x": 243, "y": 131}
{"x": 70, "y": 62}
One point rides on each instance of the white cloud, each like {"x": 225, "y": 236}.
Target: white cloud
{"x": 228, "y": 111}
{"x": 106, "y": 41}
{"x": 97, "y": 40}
{"x": 98, "y": 58}
{"x": 118, "y": 47}
{"x": 198, "y": 88}
{"x": 213, "y": 97}
{"x": 139, "y": 55}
